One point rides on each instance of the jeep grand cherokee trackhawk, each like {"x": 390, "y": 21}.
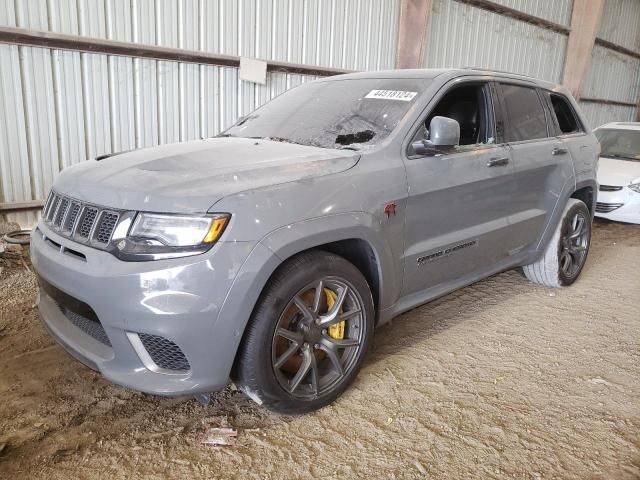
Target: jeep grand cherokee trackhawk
{"x": 268, "y": 254}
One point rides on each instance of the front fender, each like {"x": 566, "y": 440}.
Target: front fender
{"x": 283, "y": 243}
{"x": 291, "y": 239}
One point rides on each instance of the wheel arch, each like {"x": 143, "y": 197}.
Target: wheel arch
{"x": 355, "y": 237}
{"x": 352, "y": 236}
{"x": 587, "y": 192}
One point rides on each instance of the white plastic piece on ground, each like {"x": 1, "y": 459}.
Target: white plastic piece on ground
{"x": 219, "y": 436}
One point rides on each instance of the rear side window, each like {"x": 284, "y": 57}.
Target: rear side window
{"x": 564, "y": 114}
{"x": 525, "y": 114}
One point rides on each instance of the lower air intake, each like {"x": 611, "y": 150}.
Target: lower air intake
{"x": 164, "y": 353}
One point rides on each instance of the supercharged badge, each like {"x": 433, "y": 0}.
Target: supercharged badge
{"x": 446, "y": 252}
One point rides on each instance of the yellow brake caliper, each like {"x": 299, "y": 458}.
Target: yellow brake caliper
{"x": 337, "y": 329}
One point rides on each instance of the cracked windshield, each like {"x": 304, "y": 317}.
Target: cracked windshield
{"x": 351, "y": 114}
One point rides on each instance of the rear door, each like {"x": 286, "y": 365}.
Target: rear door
{"x": 542, "y": 165}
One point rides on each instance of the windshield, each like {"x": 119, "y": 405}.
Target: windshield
{"x": 333, "y": 114}
{"x": 623, "y": 144}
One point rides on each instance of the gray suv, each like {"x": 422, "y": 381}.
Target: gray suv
{"x": 268, "y": 254}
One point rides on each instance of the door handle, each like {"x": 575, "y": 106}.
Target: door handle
{"x": 559, "y": 151}
{"x": 498, "y": 162}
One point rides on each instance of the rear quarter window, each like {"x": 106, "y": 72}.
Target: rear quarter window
{"x": 525, "y": 117}
{"x": 564, "y": 114}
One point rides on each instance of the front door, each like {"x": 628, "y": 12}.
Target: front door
{"x": 459, "y": 200}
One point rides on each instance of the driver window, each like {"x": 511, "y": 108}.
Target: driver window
{"x": 468, "y": 105}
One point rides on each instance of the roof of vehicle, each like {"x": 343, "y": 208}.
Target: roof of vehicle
{"x": 622, "y": 125}
{"x": 431, "y": 73}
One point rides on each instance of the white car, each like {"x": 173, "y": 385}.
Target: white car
{"x": 619, "y": 172}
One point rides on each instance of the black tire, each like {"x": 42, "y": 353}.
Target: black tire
{"x": 256, "y": 372}
{"x": 550, "y": 269}
{"x": 18, "y": 237}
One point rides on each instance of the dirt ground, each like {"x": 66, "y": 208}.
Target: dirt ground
{"x": 503, "y": 379}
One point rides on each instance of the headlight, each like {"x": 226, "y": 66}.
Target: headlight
{"x": 155, "y": 236}
{"x": 635, "y": 187}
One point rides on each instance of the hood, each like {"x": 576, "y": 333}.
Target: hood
{"x": 190, "y": 177}
{"x": 616, "y": 172}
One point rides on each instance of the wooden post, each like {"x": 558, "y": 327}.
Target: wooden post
{"x": 585, "y": 22}
{"x": 412, "y": 32}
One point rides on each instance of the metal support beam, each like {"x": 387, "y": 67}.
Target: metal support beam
{"x": 33, "y": 38}
{"x": 412, "y": 32}
{"x": 617, "y": 48}
{"x": 585, "y": 22}
{"x": 604, "y": 101}
{"x": 20, "y": 206}
{"x": 516, "y": 14}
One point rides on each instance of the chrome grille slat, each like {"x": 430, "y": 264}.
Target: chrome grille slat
{"x": 47, "y": 206}
{"x": 70, "y": 221}
{"x": 87, "y": 220}
{"x": 83, "y": 223}
{"x": 53, "y": 207}
{"x": 105, "y": 226}
{"x": 63, "y": 207}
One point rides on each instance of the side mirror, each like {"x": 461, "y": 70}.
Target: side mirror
{"x": 444, "y": 132}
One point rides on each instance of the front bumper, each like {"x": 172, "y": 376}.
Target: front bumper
{"x": 626, "y": 203}
{"x": 177, "y": 299}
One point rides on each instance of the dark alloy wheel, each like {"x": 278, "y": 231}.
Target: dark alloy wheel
{"x": 576, "y": 234}
{"x": 308, "y": 335}
{"x": 566, "y": 253}
{"x": 318, "y": 338}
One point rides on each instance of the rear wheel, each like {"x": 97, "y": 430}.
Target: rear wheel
{"x": 567, "y": 251}
{"x": 308, "y": 334}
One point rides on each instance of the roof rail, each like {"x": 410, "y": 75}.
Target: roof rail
{"x": 481, "y": 69}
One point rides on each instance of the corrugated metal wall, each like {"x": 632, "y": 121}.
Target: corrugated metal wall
{"x": 621, "y": 23}
{"x": 60, "y": 107}
{"x": 557, "y": 11}
{"x": 612, "y": 75}
{"x": 463, "y": 35}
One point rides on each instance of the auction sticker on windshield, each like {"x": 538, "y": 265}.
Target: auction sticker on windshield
{"x": 392, "y": 95}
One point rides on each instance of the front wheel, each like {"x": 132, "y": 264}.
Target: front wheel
{"x": 308, "y": 334}
{"x": 567, "y": 251}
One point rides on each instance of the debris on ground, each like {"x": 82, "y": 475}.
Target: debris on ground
{"x": 219, "y": 436}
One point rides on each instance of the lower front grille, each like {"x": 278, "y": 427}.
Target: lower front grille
{"x": 77, "y": 312}
{"x": 164, "y": 353}
{"x": 607, "y": 207}
{"x": 93, "y": 328}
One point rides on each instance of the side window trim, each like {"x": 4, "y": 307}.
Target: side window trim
{"x": 553, "y": 129}
{"x": 491, "y": 111}
{"x": 498, "y": 113}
